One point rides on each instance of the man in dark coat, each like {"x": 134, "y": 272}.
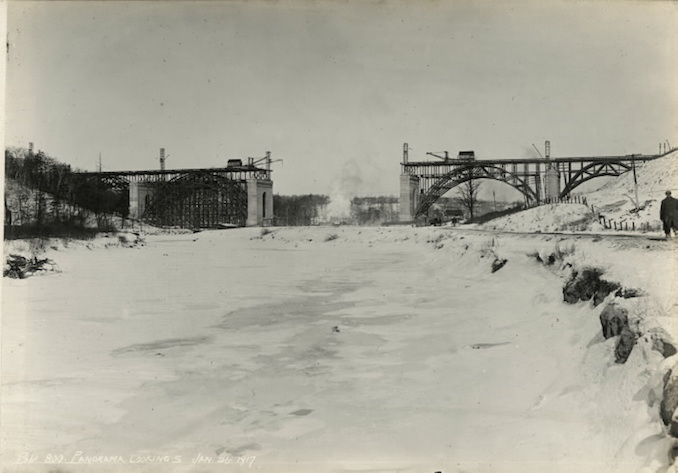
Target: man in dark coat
{"x": 668, "y": 213}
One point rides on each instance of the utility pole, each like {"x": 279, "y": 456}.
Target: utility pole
{"x": 99, "y": 161}
{"x": 635, "y": 184}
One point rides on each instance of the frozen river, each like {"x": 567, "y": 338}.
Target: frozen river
{"x": 226, "y": 351}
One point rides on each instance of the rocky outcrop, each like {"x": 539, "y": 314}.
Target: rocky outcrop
{"x": 627, "y": 340}
{"x": 613, "y": 320}
{"x": 615, "y": 323}
{"x": 661, "y": 343}
{"x": 668, "y": 409}
{"x": 497, "y": 264}
{"x": 586, "y": 285}
{"x": 628, "y": 293}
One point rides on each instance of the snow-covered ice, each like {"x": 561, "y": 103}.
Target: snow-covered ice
{"x": 330, "y": 349}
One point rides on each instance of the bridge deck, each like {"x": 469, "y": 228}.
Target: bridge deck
{"x": 232, "y": 172}
{"x": 499, "y": 161}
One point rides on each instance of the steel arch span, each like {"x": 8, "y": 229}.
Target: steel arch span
{"x": 197, "y": 200}
{"x": 462, "y": 174}
{"x": 589, "y": 171}
{"x": 422, "y": 183}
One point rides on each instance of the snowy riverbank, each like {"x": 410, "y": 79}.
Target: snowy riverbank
{"x": 333, "y": 349}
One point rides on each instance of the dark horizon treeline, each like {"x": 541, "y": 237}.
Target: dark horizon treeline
{"x": 298, "y": 210}
{"x": 54, "y": 194}
{"x": 311, "y": 209}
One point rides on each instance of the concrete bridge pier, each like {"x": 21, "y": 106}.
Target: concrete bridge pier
{"x": 140, "y": 196}
{"x": 552, "y": 181}
{"x": 409, "y": 197}
{"x": 259, "y": 202}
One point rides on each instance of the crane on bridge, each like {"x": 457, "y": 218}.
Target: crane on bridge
{"x": 267, "y": 159}
{"x": 462, "y": 156}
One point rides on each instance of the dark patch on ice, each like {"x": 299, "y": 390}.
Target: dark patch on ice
{"x": 484, "y": 346}
{"x": 162, "y": 345}
{"x": 301, "y": 412}
{"x": 265, "y": 315}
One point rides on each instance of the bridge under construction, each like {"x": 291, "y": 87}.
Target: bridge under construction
{"x": 422, "y": 183}
{"x": 240, "y": 194}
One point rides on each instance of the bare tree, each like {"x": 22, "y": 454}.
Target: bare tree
{"x": 468, "y": 192}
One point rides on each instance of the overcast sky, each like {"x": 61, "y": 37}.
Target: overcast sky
{"x": 336, "y": 88}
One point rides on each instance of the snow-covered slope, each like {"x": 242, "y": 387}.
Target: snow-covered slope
{"x": 545, "y": 218}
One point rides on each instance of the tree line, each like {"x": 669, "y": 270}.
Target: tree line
{"x": 48, "y": 192}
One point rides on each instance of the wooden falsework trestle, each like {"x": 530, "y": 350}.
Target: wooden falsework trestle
{"x": 198, "y": 200}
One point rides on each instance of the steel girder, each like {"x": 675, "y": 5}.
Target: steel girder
{"x": 476, "y": 170}
{"x": 575, "y": 178}
{"x": 198, "y": 200}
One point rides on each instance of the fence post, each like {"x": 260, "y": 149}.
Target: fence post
{"x": 633, "y": 226}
